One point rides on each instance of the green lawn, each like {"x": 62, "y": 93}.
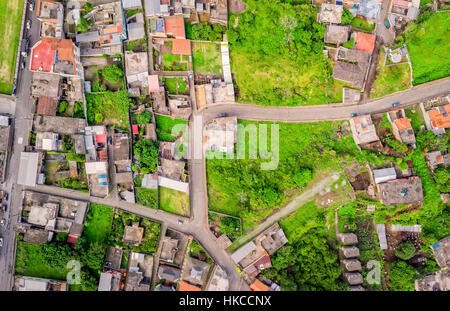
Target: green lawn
{"x": 206, "y": 58}
{"x": 176, "y": 86}
{"x": 173, "y": 201}
{"x": 363, "y": 25}
{"x": 147, "y": 197}
{"x": 164, "y": 125}
{"x": 429, "y": 47}
{"x": 98, "y": 223}
{"x": 10, "y": 21}
{"x": 241, "y": 188}
{"x": 109, "y": 108}
{"x": 275, "y": 63}
{"x": 173, "y": 62}
{"x": 390, "y": 79}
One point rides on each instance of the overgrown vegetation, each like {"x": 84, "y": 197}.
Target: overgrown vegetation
{"x": 112, "y": 107}
{"x": 164, "y": 125}
{"x": 204, "y": 31}
{"x": 147, "y": 154}
{"x": 147, "y": 197}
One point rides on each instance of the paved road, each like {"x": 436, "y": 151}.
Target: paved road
{"x": 22, "y": 125}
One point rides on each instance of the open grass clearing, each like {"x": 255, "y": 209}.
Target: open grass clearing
{"x": 206, "y": 58}
{"x": 173, "y": 201}
{"x": 177, "y": 86}
{"x": 164, "y": 125}
{"x": 98, "y": 223}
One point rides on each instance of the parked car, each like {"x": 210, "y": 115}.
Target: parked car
{"x": 387, "y": 24}
{"x": 6, "y": 196}
{"x": 223, "y": 114}
{"x": 3, "y": 221}
{"x": 22, "y": 65}
{"x": 5, "y": 208}
{"x": 117, "y": 59}
{"x": 109, "y": 140}
{"x": 180, "y": 222}
{"x": 354, "y": 114}
{"x": 1, "y": 242}
{"x": 31, "y": 6}
{"x": 395, "y": 104}
{"x": 29, "y": 24}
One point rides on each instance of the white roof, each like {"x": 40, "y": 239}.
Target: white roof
{"x": 242, "y": 252}
{"x": 105, "y": 282}
{"x": 173, "y": 184}
{"x": 28, "y": 169}
{"x": 384, "y": 175}
{"x": 95, "y": 167}
{"x": 131, "y": 4}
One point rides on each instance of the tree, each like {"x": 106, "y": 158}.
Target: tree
{"x": 397, "y": 145}
{"x": 99, "y": 118}
{"x": 347, "y": 17}
{"x": 302, "y": 177}
{"x": 112, "y": 73}
{"x": 144, "y": 117}
{"x": 62, "y": 106}
{"x": 88, "y": 7}
{"x": 407, "y": 251}
{"x": 83, "y": 25}
{"x": 401, "y": 276}
{"x": 147, "y": 152}
{"x": 442, "y": 178}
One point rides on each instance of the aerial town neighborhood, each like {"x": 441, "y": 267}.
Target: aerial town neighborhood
{"x": 132, "y": 136}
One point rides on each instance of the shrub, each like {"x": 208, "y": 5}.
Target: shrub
{"x": 112, "y": 74}
{"x": 63, "y": 106}
{"x": 99, "y": 118}
{"x": 406, "y": 251}
{"x": 143, "y": 118}
{"x": 302, "y": 177}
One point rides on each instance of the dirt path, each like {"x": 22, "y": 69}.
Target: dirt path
{"x": 291, "y": 207}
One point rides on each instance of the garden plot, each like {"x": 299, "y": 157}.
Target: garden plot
{"x": 207, "y": 61}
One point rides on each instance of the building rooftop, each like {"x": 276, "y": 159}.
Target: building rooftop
{"x": 349, "y": 251}
{"x": 353, "y": 278}
{"x": 51, "y": 55}
{"x": 136, "y": 63}
{"x": 363, "y": 129}
{"x": 350, "y": 95}
{"x": 384, "y": 175}
{"x": 219, "y": 280}
{"x": 61, "y": 125}
{"x": 351, "y": 66}
{"x": 401, "y": 191}
{"x": 347, "y": 238}
{"x": 441, "y": 251}
{"x": 195, "y": 271}
{"x": 181, "y": 46}
{"x": 438, "y": 281}
{"x": 351, "y": 264}
{"x": 365, "y": 42}
{"x": 336, "y": 34}
{"x": 133, "y": 234}
{"x": 28, "y": 167}
{"x": 26, "y": 283}
{"x": 45, "y": 84}
{"x": 168, "y": 249}
{"x": 169, "y": 273}
{"x": 369, "y": 8}
{"x": 47, "y": 106}
{"x": 175, "y": 26}
{"x": 272, "y": 239}
{"x": 258, "y": 286}
{"x": 331, "y": 13}
{"x": 440, "y": 117}
{"x": 186, "y": 287}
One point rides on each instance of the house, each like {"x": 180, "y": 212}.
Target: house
{"x": 436, "y": 158}
{"x": 156, "y": 8}
{"x": 153, "y": 83}
{"x": 47, "y": 106}
{"x": 131, "y": 4}
{"x": 219, "y": 280}
{"x": 347, "y": 238}
{"x": 139, "y": 274}
{"x": 26, "y": 283}
{"x": 181, "y": 46}
{"x": 353, "y": 278}
{"x": 259, "y": 286}
{"x": 98, "y": 178}
{"x": 438, "y": 281}
{"x": 47, "y": 141}
{"x": 439, "y": 119}
{"x": 28, "y": 168}
{"x": 350, "y": 96}
{"x": 356, "y": 288}
{"x": 363, "y": 130}
{"x": 272, "y": 239}
{"x": 45, "y": 84}
{"x": 136, "y": 70}
{"x": 53, "y": 55}
{"x": 330, "y": 13}
{"x": 157, "y": 27}
{"x": 365, "y": 42}
{"x": 114, "y": 258}
{"x": 401, "y": 191}
{"x": 195, "y": 271}
{"x": 349, "y": 251}
{"x": 220, "y": 134}
{"x": 168, "y": 249}
{"x": 164, "y": 288}
{"x": 169, "y": 273}
{"x": 336, "y": 34}
{"x": 441, "y": 251}
{"x": 384, "y": 175}
{"x": 109, "y": 281}
{"x": 369, "y": 9}
{"x": 60, "y": 125}
{"x": 136, "y": 27}
{"x": 174, "y": 26}
{"x": 51, "y": 15}
{"x": 133, "y": 234}
{"x": 401, "y": 127}
{"x": 351, "y": 66}
{"x": 186, "y": 287}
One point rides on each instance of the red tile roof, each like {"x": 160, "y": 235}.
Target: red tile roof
{"x": 403, "y": 123}
{"x": 47, "y": 106}
{"x": 135, "y": 129}
{"x": 181, "y": 46}
{"x": 44, "y": 53}
{"x": 100, "y": 138}
{"x": 401, "y": 3}
{"x": 175, "y": 26}
{"x": 259, "y": 286}
{"x": 153, "y": 83}
{"x": 365, "y": 42}
{"x": 186, "y": 287}
{"x": 440, "y": 119}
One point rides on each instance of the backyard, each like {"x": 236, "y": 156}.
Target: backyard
{"x": 177, "y": 86}
{"x": 147, "y": 197}
{"x": 173, "y": 201}
{"x": 164, "y": 125}
{"x": 206, "y": 58}
{"x": 10, "y": 21}
{"x": 428, "y": 47}
{"x": 109, "y": 107}
{"x": 390, "y": 79}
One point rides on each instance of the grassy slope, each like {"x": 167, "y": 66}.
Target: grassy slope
{"x": 390, "y": 79}
{"x": 173, "y": 201}
{"x": 429, "y": 47}
{"x": 10, "y": 21}
{"x": 98, "y": 222}
{"x": 164, "y": 127}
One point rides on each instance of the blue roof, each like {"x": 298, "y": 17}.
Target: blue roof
{"x": 102, "y": 176}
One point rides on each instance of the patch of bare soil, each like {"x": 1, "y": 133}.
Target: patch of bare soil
{"x": 237, "y": 6}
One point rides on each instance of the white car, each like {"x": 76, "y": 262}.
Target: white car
{"x": 31, "y": 7}
{"x": 3, "y": 221}
{"x": 28, "y": 24}
{"x": 1, "y": 242}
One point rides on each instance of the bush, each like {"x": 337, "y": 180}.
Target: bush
{"x": 147, "y": 152}
{"x": 401, "y": 276}
{"x": 83, "y": 25}
{"x": 63, "y": 106}
{"x": 144, "y": 117}
{"x": 347, "y": 17}
{"x": 78, "y": 110}
{"x": 407, "y": 251}
{"x": 112, "y": 74}
{"x": 99, "y": 118}
{"x": 302, "y": 177}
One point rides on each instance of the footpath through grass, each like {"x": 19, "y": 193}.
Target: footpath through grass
{"x": 429, "y": 47}
{"x": 10, "y": 21}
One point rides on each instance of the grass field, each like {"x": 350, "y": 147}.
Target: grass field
{"x": 173, "y": 201}
{"x": 206, "y": 58}
{"x": 164, "y": 127}
{"x": 98, "y": 223}
{"x": 147, "y": 197}
{"x": 176, "y": 86}
{"x": 390, "y": 79}
{"x": 108, "y": 108}
{"x": 10, "y": 21}
{"x": 174, "y": 62}
{"x": 429, "y": 47}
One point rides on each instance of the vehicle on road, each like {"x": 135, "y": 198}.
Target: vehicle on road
{"x": 22, "y": 65}
{"x": 223, "y": 115}
{"x": 180, "y": 222}
{"x": 29, "y": 24}
{"x": 1, "y": 242}
{"x": 387, "y": 24}
{"x": 25, "y": 46}
{"x": 31, "y": 6}
{"x": 6, "y": 196}
{"x": 117, "y": 59}
{"x": 395, "y": 104}
{"x": 4, "y": 208}
{"x": 354, "y": 114}
{"x": 3, "y": 221}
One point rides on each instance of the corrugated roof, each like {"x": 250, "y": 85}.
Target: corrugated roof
{"x": 181, "y": 46}
{"x": 175, "y": 26}
{"x": 365, "y": 42}
{"x": 259, "y": 286}
{"x": 186, "y": 287}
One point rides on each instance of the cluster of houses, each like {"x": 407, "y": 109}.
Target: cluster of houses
{"x": 254, "y": 256}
